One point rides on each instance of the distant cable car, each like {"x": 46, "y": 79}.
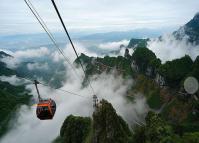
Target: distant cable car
{"x": 46, "y": 107}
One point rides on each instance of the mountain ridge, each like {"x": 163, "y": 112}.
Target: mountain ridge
{"x": 190, "y": 30}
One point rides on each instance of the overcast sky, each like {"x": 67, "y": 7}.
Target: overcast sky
{"x": 96, "y": 15}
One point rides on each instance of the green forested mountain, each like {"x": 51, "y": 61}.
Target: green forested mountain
{"x": 195, "y": 68}
{"x": 96, "y": 65}
{"x": 177, "y": 113}
{"x": 75, "y": 129}
{"x": 4, "y": 70}
{"x": 3, "y": 54}
{"x": 158, "y": 130}
{"x": 105, "y": 127}
{"x": 11, "y": 97}
{"x": 178, "y": 117}
{"x": 144, "y": 58}
{"x": 191, "y": 29}
{"x": 137, "y": 43}
{"x": 176, "y": 70}
{"x": 108, "y": 126}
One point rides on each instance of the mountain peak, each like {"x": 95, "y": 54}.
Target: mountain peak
{"x": 3, "y": 54}
{"x": 109, "y": 127}
{"x": 191, "y": 29}
{"x": 194, "y": 23}
{"x": 196, "y": 17}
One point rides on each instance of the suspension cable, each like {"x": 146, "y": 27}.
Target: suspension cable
{"x": 44, "y": 26}
{"x": 42, "y": 23}
{"x": 71, "y": 42}
{"x": 66, "y": 91}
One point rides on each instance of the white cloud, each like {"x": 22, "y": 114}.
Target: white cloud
{"x": 12, "y": 80}
{"x": 80, "y": 47}
{"x": 27, "y": 128}
{"x": 37, "y": 66}
{"x": 169, "y": 48}
{"x": 115, "y": 48}
{"x": 31, "y": 53}
{"x": 20, "y": 55}
{"x": 11, "y": 62}
{"x": 56, "y": 56}
{"x": 105, "y": 49}
{"x": 113, "y": 45}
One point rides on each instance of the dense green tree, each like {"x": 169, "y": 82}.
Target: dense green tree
{"x": 105, "y": 64}
{"x": 155, "y": 63}
{"x": 139, "y": 135}
{"x": 157, "y": 130}
{"x": 108, "y": 126}
{"x": 145, "y": 58}
{"x": 75, "y": 129}
{"x": 176, "y": 70}
{"x": 11, "y": 97}
{"x": 186, "y": 138}
{"x": 195, "y": 71}
{"x": 5, "y": 71}
{"x": 137, "y": 42}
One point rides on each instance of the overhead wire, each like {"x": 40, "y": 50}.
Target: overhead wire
{"x": 42, "y": 23}
{"x": 44, "y": 26}
{"x": 71, "y": 42}
{"x": 66, "y": 91}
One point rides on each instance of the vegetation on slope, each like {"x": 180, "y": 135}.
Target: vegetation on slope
{"x": 180, "y": 112}
{"x": 5, "y": 71}
{"x": 11, "y": 97}
{"x": 189, "y": 30}
{"x": 152, "y": 92}
{"x": 106, "y": 127}
{"x": 195, "y": 69}
{"x": 157, "y": 130}
{"x": 176, "y": 70}
{"x": 75, "y": 129}
{"x": 137, "y": 43}
{"x": 106, "y": 64}
{"x": 144, "y": 58}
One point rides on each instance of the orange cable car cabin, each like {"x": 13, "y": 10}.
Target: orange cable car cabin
{"x": 46, "y": 107}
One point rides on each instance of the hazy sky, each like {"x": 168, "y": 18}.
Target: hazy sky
{"x": 96, "y": 15}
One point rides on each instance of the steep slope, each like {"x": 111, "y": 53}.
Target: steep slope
{"x": 106, "y": 127}
{"x": 191, "y": 29}
{"x": 11, "y": 97}
{"x": 96, "y": 65}
{"x": 157, "y": 130}
{"x": 137, "y": 43}
{"x": 75, "y": 129}
{"x": 3, "y": 54}
{"x": 3, "y": 68}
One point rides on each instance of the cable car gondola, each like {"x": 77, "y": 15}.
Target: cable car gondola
{"x": 46, "y": 107}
